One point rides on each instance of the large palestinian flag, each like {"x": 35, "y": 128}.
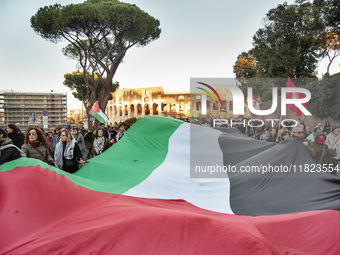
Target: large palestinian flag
{"x": 140, "y": 197}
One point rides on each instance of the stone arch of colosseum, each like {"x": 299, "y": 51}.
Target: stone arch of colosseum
{"x": 129, "y": 103}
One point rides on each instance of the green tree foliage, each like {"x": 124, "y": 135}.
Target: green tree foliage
{"x": 329, "y": 12}
{"x": 80, "y": 83}
{"x": 330, "y": 48}
{"x": 262, "y": 88}
{"x": 288, "y": 44}
{"x": 245, "y": 67}
{"x": 325, "y": 98}
{"x": 100, "y": 32}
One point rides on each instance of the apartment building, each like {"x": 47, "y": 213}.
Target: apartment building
{"x": 39, "y": 109}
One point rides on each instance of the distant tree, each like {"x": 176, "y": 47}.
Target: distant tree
{"x": 329, "y": 12}
{"x": 288, "y": 45}
{"x": 87, "y": 85}
{"x": 330, "y": 48}
{"x": 245, "y": 67}
{"x": 325, "y": 101}
{"x": 100, "y": 32}
{"x": 80, "y": 84}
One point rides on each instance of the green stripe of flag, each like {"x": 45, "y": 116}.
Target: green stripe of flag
{"x": 125, "y": 164}
{"x": 131, "y": 160}
{"x": 101, "y": 117}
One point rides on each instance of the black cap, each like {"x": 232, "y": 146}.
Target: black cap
{"x": 3, "y": 132}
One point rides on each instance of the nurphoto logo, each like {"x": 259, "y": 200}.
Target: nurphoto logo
{"x": 220, "y": 99}
{"x": 238, "y": 99}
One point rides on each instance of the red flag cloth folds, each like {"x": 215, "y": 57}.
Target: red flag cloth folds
{"x": 289, "y": 95}
{"x": 43, "y": 212}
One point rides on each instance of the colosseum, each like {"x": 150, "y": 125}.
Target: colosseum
{"x": 151, "y": 101}
{"x": 141, "y": 102}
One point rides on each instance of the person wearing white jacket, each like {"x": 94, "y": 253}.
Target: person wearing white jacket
{"x": 333, "y": 142}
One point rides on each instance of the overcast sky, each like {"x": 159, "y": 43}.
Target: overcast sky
{"x": 199, "y": 39}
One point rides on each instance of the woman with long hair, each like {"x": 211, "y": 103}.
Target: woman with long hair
{"x": 15, "y": 135}
{"x": 36, "y": 145}
{"x": 327, "y": 128}
{"x": 67, "y": 155}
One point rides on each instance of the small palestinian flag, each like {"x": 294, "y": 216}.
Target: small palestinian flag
{"x": 98, "y": 113}
{"x": 256, "y": 103}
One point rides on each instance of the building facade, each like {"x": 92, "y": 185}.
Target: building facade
{"x": 76, "y": 116}
{"x": 151, "y": 101}
{"x": 26, "y": 109}
{"x": 214, "y": 108}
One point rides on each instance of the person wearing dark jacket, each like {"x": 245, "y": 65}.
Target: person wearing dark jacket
{"x": 327, "y": 128}
{"x": 15, "y": 135}
{"x": 272, "y": 135}
{"x": 67, "y": 155}
{"x": 55, "y": 138}
{"x": 88, "y": 138}
{"x": 8, "y": 151}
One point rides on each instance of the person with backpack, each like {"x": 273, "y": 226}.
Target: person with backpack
{"x": 8, "y": 151}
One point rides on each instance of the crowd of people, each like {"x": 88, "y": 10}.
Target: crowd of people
{"x": 67, "y": 148}
{"x": 322, "y": 142}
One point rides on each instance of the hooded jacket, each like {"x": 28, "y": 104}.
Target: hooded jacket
{"x": 8, "y": 153}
